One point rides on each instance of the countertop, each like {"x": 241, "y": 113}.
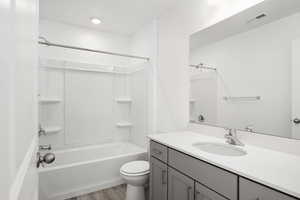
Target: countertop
{"x": 275, "y": 169}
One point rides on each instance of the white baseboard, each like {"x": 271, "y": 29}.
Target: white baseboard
{"x": 88, "y": 189}
{"x": 18, "y": 183}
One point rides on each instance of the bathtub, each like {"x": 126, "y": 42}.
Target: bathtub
{"x": 87, "y": 169}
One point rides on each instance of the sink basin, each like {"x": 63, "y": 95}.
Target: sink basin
{"x": 220, "y": 149}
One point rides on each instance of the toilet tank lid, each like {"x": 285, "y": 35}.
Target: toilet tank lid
{"x": 135, "y": 167}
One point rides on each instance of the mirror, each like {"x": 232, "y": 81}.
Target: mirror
{"x": 245, "y": 71}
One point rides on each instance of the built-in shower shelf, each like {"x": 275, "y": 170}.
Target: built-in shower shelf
{"x": 124, "y": 124}
{"x": 52, "y": 129}
{"x": 49, "y": 100}
{"x": 124, "y": 100}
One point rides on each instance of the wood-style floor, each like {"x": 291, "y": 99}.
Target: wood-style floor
{"x": 115, "y": 193}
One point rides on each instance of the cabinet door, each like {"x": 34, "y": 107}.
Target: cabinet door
{"x": 158, "y": 180}
{"x": 203, "y": 193}
{"x": 253, "y": 191}
{"x": 180, "y": 187}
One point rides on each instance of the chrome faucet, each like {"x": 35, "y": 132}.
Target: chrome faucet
{"x": 231, "y": 137}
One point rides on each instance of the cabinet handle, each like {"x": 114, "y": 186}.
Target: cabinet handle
{"x": 189, "y": 189}
{"x": 156, "y": 151}
{"x": 200, "y": 196}
{"x": 163, "y": 177}
{"x": 197, "y": 194}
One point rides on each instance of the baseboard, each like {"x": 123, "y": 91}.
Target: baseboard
{"x": 88, "y": 189}
{"x": 18, "y": 184}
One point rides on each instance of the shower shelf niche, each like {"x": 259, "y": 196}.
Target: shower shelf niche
{"x": 52, "y": 129}
{"x": 46, "y": 100}
{"x": 124, "y": 100}
{"x": 124, "y": 125}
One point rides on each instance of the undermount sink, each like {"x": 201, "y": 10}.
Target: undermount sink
{"x": 220, "y": 149}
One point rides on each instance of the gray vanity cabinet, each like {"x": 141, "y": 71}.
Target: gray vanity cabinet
{"x": 158, "y": 180}
{"x": 250, "y": 190}
{"x": 178, "y": 176}
{"x": 203, "y": 193}
{"x": 180, "y": 187}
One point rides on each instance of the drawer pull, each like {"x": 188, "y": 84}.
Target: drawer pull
{"x": 164, "y": 177}
{"x": 189, "y": 190}
{"x": 156, "y": 151}
{"x": 200, "y": 196}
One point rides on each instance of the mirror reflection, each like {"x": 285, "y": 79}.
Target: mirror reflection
{"x": 247, "y": 76}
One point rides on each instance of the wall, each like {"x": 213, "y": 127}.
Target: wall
{"x": 18, "y": 104}
{"x": 144, "y": 42}
{"x": 174, "y": 29}
{"x": 6, "y": 77}
{"x": 83, "y": 37}
{"x": 203, "y": 95}
{"x": 255, "y": 63}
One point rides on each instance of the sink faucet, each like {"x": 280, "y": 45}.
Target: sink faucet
{"x": 231, "y": 137}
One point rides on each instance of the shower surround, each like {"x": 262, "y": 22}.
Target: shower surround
{"x": 90, "y": 114}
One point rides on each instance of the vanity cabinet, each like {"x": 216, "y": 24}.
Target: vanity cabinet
{"x": 203, "y": 193}
{"x": 180, "y": 187}
{"x": 250, "y": 190}
{"x": 178, "y": 176}
{"x": 159, "y": 151}
{"x": 158, "y": 180}
{"x": 215, "y": 178}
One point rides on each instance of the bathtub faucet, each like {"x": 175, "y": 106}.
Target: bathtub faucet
{"x": 45, "y": 147}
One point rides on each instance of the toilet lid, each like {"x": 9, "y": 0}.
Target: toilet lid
{"x": 135, "y": 167}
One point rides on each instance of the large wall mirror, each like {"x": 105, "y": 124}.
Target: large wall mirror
{"x": 245, "y": 71}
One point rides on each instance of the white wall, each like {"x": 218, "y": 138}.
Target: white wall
{"x": 203, "y": 95}
{"x": 255, "y": 63}
{"x": 61, "y": 33}
{"x": 18, "y": 104}
{"x": 6, "y": 76}
{"x": 25, "y": 77}
{"x": 174, "y": 30}
{"x": 144, "y": 42}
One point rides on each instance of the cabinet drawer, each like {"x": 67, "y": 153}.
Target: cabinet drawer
{"x": 215, "y": 178}
{"x": 159, "y": 151}
{"x": 250, "y": 190}
{"x": 202, "y": 192}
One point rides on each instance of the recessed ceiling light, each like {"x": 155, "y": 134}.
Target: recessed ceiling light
{"x": 95, "y": 20}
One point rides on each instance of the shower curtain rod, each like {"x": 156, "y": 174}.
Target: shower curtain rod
{"x": 47, "y": 43}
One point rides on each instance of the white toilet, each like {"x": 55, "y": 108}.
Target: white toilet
{"x": 136, "y": 175}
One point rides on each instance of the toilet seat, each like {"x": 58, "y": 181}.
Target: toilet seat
{"x": 135, "y": 168}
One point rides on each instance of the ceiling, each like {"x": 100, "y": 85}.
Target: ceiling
{"x": 118, "y": 16}
{"x": 242, "y": 22}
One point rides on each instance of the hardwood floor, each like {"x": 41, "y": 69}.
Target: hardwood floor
{"x": 114, "y": 193}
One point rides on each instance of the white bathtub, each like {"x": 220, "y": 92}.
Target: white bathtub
{"x": 87, "y": 169}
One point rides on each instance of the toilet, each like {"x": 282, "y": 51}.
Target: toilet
{"x": 136, "y": 176}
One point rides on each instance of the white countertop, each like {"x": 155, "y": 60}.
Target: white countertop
{"x": 275, "y": 169}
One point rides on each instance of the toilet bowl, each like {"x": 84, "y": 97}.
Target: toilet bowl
{"x": 136, "y": 176}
